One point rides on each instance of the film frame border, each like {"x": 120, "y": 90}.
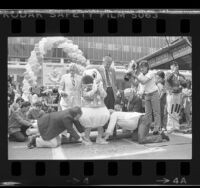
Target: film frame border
{"x": 113, "y": 169}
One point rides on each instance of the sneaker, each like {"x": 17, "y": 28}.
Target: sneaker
{"x": 101, "y": 141}
{"x": 106, "y": 136}
{"x": 164, "y": 136}
{"x": 86, "y": 141}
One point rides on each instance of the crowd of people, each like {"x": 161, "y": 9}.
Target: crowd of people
{"x": 154, "y": 106}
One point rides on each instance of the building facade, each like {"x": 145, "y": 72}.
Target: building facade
{"x": 121, "y": 49}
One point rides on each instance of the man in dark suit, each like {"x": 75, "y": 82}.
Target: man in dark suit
{"x": 51, "y": 125}
{"x": 109, "y": 80}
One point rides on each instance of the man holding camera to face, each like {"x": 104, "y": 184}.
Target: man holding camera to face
{"x": 147, "y": 78}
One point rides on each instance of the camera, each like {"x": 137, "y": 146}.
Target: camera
{"x": 131, "y": 68}
{"x": 127, "y": 76}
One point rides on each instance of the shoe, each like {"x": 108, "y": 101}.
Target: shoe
{"x": 101, "y": 141}
{"x": 164, "y": 136}
{"x": 155, "y": 133}
{"x": 106, "y": 136}
{"x": 86, "y": 141}
{"x": 32, "y": 142}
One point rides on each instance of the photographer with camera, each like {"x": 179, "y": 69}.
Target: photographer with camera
{"x": 152, "y": 104}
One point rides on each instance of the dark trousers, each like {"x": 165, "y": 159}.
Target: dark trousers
{"x": 163, "y": 115}
{"x": 110, "y": 99}
{"x": 79, "y": 127}
{"x": 141, "y": 134}
{"x": 110, "y": 103}
{"x": 17, "y": 137}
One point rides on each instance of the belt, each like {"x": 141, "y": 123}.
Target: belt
{"x": 151, "y": 93}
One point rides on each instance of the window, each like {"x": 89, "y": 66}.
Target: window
{"x": 59, "y": 52}
{"x": 126, "y": 48}
{"x": 110, "y": 47}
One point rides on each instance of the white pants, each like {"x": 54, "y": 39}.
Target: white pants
{"x": 174, "y": 104}
{"x": 55, "y": 142}
{"x": 125, "y": 120}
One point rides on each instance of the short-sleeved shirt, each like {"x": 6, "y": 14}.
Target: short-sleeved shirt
{"x": 150, "y": 85}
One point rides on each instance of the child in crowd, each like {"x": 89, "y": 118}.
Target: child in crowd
{"x": 160, "y": 82}
{"x": 36, "y": 112}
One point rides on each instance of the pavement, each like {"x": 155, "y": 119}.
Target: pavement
{"x": 179, "y": 147}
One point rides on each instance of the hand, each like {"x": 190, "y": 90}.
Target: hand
{"x": 34, "y": 124}
{"x": 94, "y": 86}
{"x": 63, "y": 94}
{"x": 100, "y": 85}
{"x": 111, "y": 111}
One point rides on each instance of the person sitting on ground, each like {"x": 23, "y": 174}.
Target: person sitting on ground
{"x": 51, "y": 125}
{"x": 36, "y": 112}
{"x": 18, "y": 123}
{"x": 134, "y": 121}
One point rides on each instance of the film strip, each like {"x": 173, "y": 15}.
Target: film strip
{"x": 169, "y": 171}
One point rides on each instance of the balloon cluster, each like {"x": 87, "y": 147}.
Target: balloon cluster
{"x": 72, "y": 50}
{"x": 33, "y": 73}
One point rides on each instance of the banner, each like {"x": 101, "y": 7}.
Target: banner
{"x": 52, "y": 74}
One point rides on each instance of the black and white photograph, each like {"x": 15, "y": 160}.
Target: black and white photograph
{"x": 99, "y": 97}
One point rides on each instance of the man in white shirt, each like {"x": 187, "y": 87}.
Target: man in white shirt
{"x": 152, "y": 101}
{"x": 134, "y": 121}
{"x": 70, "y": 88}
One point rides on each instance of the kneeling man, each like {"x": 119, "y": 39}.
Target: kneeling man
{"x": 134, "y": 121}
{"x": 51, "y": 125}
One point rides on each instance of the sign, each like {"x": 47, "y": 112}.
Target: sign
{"x": 52, "y": 73}
{"x": 178, "y": 52}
